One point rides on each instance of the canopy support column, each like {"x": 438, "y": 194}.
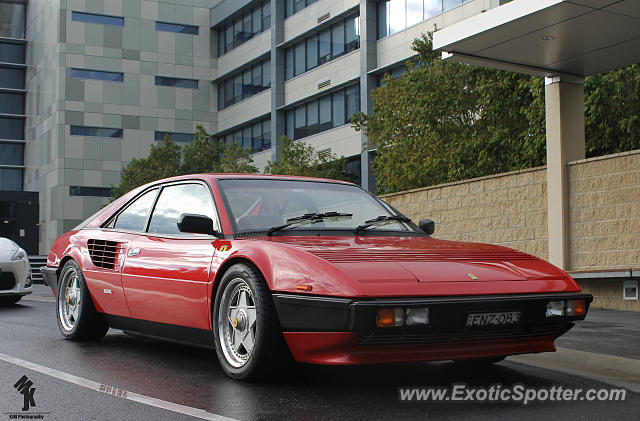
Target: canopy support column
{"x": 564, "y": 101}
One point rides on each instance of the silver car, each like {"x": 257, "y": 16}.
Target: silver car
{"x": 15, "y": 272}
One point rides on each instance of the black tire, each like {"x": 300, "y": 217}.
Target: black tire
{"x": 9, "y": 300}
{"x": 89, "y": 324}
{"x": 480, "y": 362}
{"x": 269, "y": 349}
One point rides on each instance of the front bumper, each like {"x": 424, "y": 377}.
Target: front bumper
{"x": 329, "y": 330}
{"x": 15, "y": 278}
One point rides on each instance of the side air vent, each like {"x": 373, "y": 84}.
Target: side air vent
{"x": 104, "y": 254}
{"x": 324, "y": 84}
{"x": 324, "y": 17}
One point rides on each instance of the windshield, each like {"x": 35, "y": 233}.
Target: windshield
{"x": 257, "y": 205}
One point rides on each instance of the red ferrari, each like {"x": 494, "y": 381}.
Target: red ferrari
{"x": 257, "y": 266}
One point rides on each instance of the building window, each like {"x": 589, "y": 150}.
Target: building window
{"x": 397, "y": 15}
{"x": 244, "y": 84}
{"x": 176, "y": 82}
{"x": 97, "y": 75}
{"x": 294, "y": 6}
{"x": 11, "y": 53}
{"x": 177, "y": 28}
{"x": 11, "y": 128}
{"x": 96, "y": 131}
{"x": 176, "y": 137}
{"x": 255, "y": 136}
{"x": 97, "y": 18}
{"x": 11, "y": 78}
{"x": 90, "y": 191}
{"x": 11, "y": 153}
{"x": 11, "y": 103}
{"x": 326, "y": 112}
{"x": 319, "y": 48}
{"x": 244, "y": 27}
{"x": 395, "y": 73}
{"x": 11, "y": 179}
{"x": 13, "y": 18}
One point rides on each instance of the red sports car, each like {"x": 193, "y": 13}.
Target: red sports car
{"x": 255, "y": 264}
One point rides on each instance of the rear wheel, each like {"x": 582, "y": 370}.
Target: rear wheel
{"x": 247, "y": 335}
{"x": 10, "y": 300}
{"x": 77, "y": 316}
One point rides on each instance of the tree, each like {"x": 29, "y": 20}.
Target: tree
{"x": 168, "y": 159}
{"x": 201, "y": 155}
{"x": 237, "y": 159}
{"x": 163, "y": 161}
{"x": 444, "y": 121}
{"x": 298, "y": 158}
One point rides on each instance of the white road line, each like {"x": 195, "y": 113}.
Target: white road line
{"x": 610, "y": 369}
{"x": 114, "y": 391}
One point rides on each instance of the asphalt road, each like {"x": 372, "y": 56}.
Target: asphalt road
{"x": 169, "y": 381}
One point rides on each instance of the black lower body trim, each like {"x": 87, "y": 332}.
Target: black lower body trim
{"x": 182, "y": 334}
{"x": 447, "y": 317}
{"x": 50, "y": 276}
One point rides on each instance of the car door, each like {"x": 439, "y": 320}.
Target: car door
{"x": 166, "y": 272}
{"x": 106, "y": 251}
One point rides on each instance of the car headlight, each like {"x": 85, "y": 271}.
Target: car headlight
{"x": 555, "y": 308}
{"x": 19, "y": 255}
{"x": 417, "y": 316}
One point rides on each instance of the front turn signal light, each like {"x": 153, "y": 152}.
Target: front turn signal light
{"x": 390, "y": 317}
{"x": 576, "y": 308}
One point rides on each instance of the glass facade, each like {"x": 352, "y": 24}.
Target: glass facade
{"x": 97, "y": 75}
{"x": 11, "y": 103}
{"x": 244, "y": 27}
{"x": 11, "y": 179}
{"x": 255, "y": 136}
{"x": 294, "y": 6}
{"x": 176, "y": 82}
{"x": 13, "y": 18}
{"x": 323, "y": 113}
{"x": 332, "y": 42}
{"x": 11, "y": 153}
{"x": 12, "y": 52}
{"x": 397, "y": 15}
{"x": 244, "y": 84}
{"x": 97, "y": 18}
{"x": 178, "y": 28}
{"x": 12, "y": 76}
{"x": 96, "y": 131}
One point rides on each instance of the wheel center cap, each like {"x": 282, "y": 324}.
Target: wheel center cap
{"x": 240, "y": 321}
{"x": 71, "y": 299}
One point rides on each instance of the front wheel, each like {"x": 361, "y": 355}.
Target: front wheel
{"x": 247, "y": 335}
{"x": 77, "y": 316}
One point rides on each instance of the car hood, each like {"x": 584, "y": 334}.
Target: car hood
{"x": 381, "y": 263}
{"x": 7, "y": 250}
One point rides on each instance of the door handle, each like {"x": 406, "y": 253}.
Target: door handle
{"x": 133, "y": 252}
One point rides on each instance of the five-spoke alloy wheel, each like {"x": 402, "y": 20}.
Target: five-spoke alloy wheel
{"x": 245, "y": 326}
{"x": 77, "y": 316}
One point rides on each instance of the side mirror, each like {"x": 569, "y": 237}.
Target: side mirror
{"x": 196, "y": 224}
{"x": 428, "y": 226}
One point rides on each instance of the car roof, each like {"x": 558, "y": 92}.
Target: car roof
{"x": 221, "y": 176}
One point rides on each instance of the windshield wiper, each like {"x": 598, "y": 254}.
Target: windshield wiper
{"x": 309, "y": 218}
{"x": 381, "y": 220}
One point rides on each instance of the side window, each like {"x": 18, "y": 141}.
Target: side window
{"x": 176, "y": 200}
{"x": 135, "y": 215}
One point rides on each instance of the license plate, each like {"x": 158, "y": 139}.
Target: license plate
{"x": 493, "y": 319}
